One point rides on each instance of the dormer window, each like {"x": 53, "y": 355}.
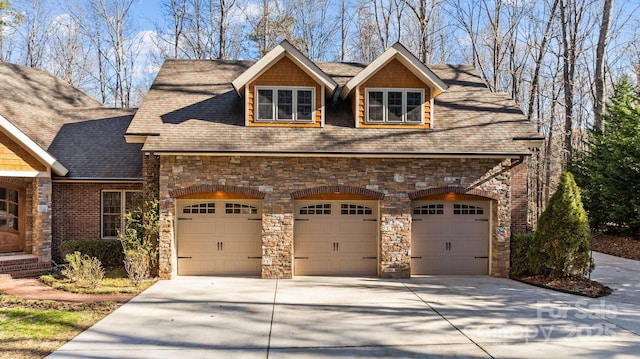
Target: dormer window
{"x": 285, "y": 104}
{"x": 394, "y": 105}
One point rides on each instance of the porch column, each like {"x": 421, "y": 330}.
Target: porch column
{"x": 41, "y": 212}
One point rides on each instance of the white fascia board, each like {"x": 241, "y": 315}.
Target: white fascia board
{"x": 421, "y": 70}
{"x": 257, "y": 68}
{"x": 273, "y": 56}
{"x": 33, "y": 148}
{"x": 406, "y": 58}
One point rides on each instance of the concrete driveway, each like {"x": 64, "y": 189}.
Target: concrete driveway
{"x": 319, "y": 317}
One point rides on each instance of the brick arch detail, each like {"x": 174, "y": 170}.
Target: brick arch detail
{"x": 452, "y": 189}
{"x": 337, "y": 189}
{"x": 204, "y": 188}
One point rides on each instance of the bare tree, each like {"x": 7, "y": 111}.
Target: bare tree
{"x": 367, "y": 44}
{"x": 538, "y": 63}
{"x": 9, "y": 21}
{"x": 316, "y": 28}
{"x": 275, "y": 24}
{"x": 67, "y": 55}
{"x": 116, "y": 51}
{"x": 35, "y": 33}
{"x": 599, "y": 77}
{"x": 424, "y": 11}
{"x": 572, "y": 16}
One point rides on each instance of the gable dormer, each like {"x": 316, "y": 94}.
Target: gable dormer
{"x": 284, "y": 88}
{"x": 395, "y": 90}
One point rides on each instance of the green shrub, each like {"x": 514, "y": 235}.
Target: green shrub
{"x": 83, "y": 270}
{"x": 563, "y": 234}
{"x": 139, "y": 241}
{"x": 522, "y": 253}
{"x": 108, "y": 251}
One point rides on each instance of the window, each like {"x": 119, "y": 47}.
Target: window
{"x": 285, "y": 104}
{"x": 239, "y": 208}
{"x": 8, "y": 209}
{"x": 115, "y": 204}
{"x": 324, "y": 208}
{"x": 467, "y": 209}
{"x": 394, "y": 106}
{"x": 437, "y": 208}
{"x": 354, "y": 209}
{"x": 200, "y": 208}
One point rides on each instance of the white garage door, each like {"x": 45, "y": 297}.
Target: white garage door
{"x": 450, "y": 237}
{"x": 336, "y": 238}
{"x": 219, "y": 237}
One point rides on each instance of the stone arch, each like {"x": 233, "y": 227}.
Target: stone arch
{"x": 243, "y": 192}
{"x": 339, "y": 190}
{"x": 452, "y": 190}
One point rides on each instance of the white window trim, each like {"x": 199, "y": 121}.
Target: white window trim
{"x": 385, "y": 92}
{"x": 275, "y": 104}
{"x": 123, "y": 193}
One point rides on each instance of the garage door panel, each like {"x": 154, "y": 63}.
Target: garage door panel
{"x": 191, "y": 247}
{"x": 241, "y": 266}
{"x": 357, "y": 248}
{"x": 334, "y": 236}
{"x": 191, "y": 266}
{"x": 357, "y": 267}
{"x": 241, "y": 227}
{"x": 219, "y": 238}
{"x": 200, "y": 227}
{"x": 448, "y": 236}
{"x": 315, "y": 266}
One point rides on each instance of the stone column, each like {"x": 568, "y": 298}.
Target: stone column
{"x": 277, "y": 239}
{"x": 395, "y": 236}
{"x": 41, "y": 212}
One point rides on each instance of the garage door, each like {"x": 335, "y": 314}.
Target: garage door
{"x": 336, "y": 238}
{"x": 219, "y": 237}
{"x": 450, "y": 237}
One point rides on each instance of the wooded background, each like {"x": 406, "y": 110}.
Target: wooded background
{"x": 558, "y": 59}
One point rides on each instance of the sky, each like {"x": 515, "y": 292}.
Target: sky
{"x": 147, "y": 14}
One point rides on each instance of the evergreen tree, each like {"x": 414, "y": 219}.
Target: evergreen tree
{"x": 608, "y": 172}
{"x": 563, "y": 236}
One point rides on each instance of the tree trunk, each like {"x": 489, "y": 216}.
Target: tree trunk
{"x": 601, "y": 53}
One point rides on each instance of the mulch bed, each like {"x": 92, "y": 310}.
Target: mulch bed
{"x": 625, "y": 247}
{"x": 573, "y": 285}
{"x": 31, "y": 288}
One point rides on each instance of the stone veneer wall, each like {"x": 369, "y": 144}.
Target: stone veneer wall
{"x": 41, "y": 193}
{"x": 278, "y": 177}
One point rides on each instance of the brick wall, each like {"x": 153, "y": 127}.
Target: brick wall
{"x": 519, "y": 200}
{"x": 279, "y": 177}
{"x": 76, "y": 206}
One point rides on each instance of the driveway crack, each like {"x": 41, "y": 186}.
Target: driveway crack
{"x": 273, "y": 310}
{"x": 446, "y": 320}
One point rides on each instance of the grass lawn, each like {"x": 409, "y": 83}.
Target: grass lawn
{"x": 35, "y": 328}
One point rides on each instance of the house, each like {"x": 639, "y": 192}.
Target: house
{"x": 285, "y": 167}
{"x": 65, "y": 168}
{"x": 282, "y": 166}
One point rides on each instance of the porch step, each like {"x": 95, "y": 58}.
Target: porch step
{"x": 22, "y": 266}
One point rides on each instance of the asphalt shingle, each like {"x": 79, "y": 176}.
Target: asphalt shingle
{"x": 82, "y": 134}
{"x": 192, "y": 107}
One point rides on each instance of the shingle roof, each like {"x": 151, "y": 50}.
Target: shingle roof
{"x": 86, "y": 137}
{"x": 192, "y": 107}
